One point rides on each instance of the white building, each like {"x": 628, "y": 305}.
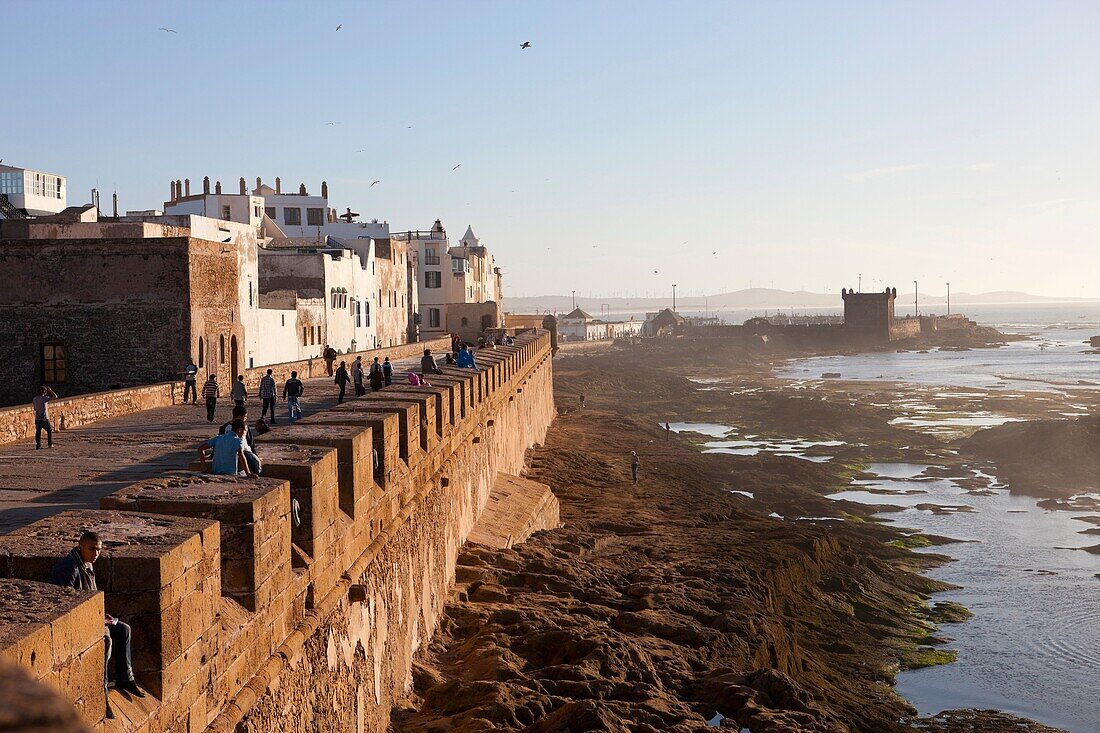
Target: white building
{"x": 578, "y": 325}
{"x": 30, "y": 193}
{"x": 459, "y": 286}
{"x": 362, "y": 279}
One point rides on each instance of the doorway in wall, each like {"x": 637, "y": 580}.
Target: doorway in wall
{"x": 234, "y": 365}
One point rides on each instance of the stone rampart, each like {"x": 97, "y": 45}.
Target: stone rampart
{"x": 17, "y": 423}
{"x": 294, "y": 602}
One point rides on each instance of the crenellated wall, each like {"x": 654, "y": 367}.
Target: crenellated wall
{"x": 249, "y": 614}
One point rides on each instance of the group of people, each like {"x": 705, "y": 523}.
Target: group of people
{"x": 378, "y": 376}
{"x": 293, "y": 389}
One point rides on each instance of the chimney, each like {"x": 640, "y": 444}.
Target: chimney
{"x": 187, "y": 186}
{"x": 218, "y": 187}
{"x": 171, "y": 190}
{"x": 278, "y": 185}
{"x": 243, "y": 191}
{"x": 301, "y": 189}
{"x": 324, "y": 190}
{"x": 258, "y": 184}
{"x": 114, "y": 204}
{"x": 331, "y": 215}
{"x": 179, "y": 189}
{"x": 206, "y": 184}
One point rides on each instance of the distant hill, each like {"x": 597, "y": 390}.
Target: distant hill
{"x": 754, "y": 298}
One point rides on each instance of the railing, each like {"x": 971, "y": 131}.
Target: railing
{"x": 431, "y": 259}
{"x": 8, "y": 210}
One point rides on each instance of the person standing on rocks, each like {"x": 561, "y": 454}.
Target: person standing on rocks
{"x": 387, "y": 371}
{"x": 330, "y": 358}
{"x": 376, "y": 375}
{"x": 210, "y": 392}
{"x": 75, "y": 571}
{"x": 41, "y": 404}
{"x": 239, "y": 391}
{"x": 635, "y": 464}
{"x": 189, "y": 373}
{"x": 292, "y": 393}
{"x": 268, "y": 392}
{"x": 357, "y": 376}
{"x": 341, "y": 380}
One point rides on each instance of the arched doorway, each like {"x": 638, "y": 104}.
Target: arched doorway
{"x": 234, "y": 368}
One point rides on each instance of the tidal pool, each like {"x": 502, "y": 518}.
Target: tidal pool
{"x": 1033, "y": 646}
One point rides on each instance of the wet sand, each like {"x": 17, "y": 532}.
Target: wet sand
{"x": 722, "y": 588}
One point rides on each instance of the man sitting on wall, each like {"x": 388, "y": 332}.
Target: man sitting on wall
{"x": 75, "y": 571}
{"x": 248, "y": 442}
{"x": 465, "y": 358}
{"x": 227, "y": 452}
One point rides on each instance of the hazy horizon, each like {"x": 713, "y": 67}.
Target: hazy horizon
{"x": 786, "y": 145}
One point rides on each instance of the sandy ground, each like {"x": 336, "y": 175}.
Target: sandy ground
{"x": 701, "y": 594}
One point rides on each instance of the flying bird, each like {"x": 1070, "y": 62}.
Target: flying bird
{"x": 456, "y": 167}
{"x": 525, "y": 44}
{"x": 332, "y": 124}
{"x": 167, "y": 30}
{"x": 374, "y": 182}
{"x": 339, "y": 26}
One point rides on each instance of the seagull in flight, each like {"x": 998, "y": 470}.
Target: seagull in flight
{"x": 456, "y": 167}
{"x": 374, "y": 182}
{"x": 167, "y": 30}
{"x": 525, "y": 44}
{"x": 332, "y": 124}
{"x": 339, "y": 26}
{"x": 362, "y": 150}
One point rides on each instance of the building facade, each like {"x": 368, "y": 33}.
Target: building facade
{"x": 28, "y": 193}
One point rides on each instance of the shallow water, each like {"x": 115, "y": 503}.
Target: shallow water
{"x": 1033, "y": 646}
{"x": 1052, "y": 360}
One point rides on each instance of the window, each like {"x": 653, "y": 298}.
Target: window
{"x": 358, "y": 313}
{"x": 335, "y": 298}
{"x": 282, "y": 319}
{"x": 379, "y": 297}
{"x": 366, "y": 308}
{"x": 257, "y": 211}
{"x": 11, "y": 183}
{"x": 202, "y": 355}
{"x": 305, "y": 336}
{"x": 433, "y": 318}
{"x": 249, "y": 293}
{"x": 292, "y": 215}
{"x": 221, "y": 348}
{"x": 430, "y": 257}
{"x": 269, "y": 212}
{"x": 465, "y": 321}
{"x": 433, "y": 279}
{"x": 227, "y": 213}
{"x": 315, "y": 217}
{"x": 458, "y": 265}
{"x": 53, "y": 363}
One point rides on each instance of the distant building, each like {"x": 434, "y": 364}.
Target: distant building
{"x": 664, "y": 323}
{"x": 459, "y": 287}
{"x": 28, "y": 193}
{"x": 578, "y": 325}
{"x": 869, "y": 315}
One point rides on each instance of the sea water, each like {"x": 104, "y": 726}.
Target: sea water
{"x": 1033, "y": 646}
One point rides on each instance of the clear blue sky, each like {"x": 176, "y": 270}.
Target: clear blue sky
{"x": 803, "y": 142}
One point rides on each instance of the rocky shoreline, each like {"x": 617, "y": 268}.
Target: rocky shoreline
{"x": 698, "y": 595}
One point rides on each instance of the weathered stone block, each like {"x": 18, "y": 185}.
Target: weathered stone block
{"x": 313, "y": 473}
{"x": 250, "y": 511}
{"x": 430, "y": 427}
{"x": 353, "y": 445}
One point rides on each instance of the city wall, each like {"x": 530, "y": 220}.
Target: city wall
{"x": 17, "y": 423}
{"x": 293, "y": 602}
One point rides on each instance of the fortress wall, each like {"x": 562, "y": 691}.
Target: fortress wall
{"x": 246, "y": 618}
{"x": 17, "y": 423}
{"x": 903, "y": 328}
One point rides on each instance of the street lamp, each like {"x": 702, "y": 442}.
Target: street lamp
{"x": 916, "y": 310}
{"x": 948, "y": 298}
{"x": 673, "y": 297}
{"x": 574, "y": 300}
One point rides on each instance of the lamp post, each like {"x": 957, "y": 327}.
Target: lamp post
{"x": 948, "y": 298}
{"x": 673, "y": 297}
{"x": 574, "y": 300}
{"x": 916, "y": 310}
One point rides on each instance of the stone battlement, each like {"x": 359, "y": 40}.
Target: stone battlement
{"x": 295, "y": 601}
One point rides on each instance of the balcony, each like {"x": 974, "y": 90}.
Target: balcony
{"x": 431, "y": 259}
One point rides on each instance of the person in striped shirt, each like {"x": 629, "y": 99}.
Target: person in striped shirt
{"x": 210, "y": 393}
{"x": 267, "y": 395}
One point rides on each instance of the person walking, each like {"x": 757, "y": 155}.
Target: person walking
{"x": 376, "y": 376}
{"x": 76, "y": 570}
{"x": 190, "y": 372}
{"x": 41, "y": 403}
{"x": 341, "y": 380}
{"x": 465, "y": 358}
{"x": 635, "y": 464}
{"x": 239, "y": 391}
{"x": 330, "y": 358}
{"x": 387, "y": 371}
{"x": 268, "y": 392}
{"x": 292, "y": 393}
{"x": 210, "y": 392}
{"x": 357, "y": 376}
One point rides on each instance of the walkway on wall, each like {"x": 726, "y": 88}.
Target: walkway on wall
{"x": 90, "y": 462}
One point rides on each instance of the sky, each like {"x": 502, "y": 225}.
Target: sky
{"x": 718, "y": 146}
